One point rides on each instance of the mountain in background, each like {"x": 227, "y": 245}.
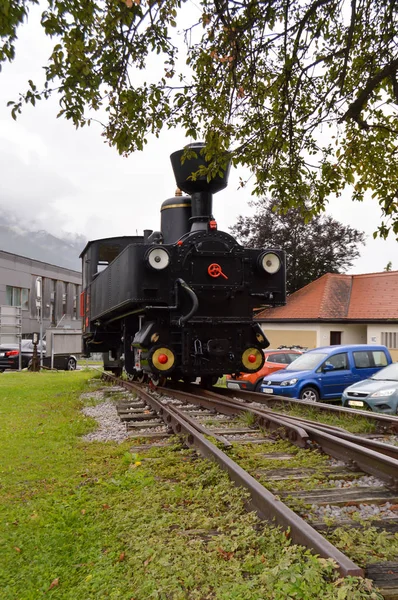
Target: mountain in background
{"x": 41, "y": 245}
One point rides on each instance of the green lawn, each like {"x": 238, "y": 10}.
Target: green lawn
{"x": 82, "y": 521}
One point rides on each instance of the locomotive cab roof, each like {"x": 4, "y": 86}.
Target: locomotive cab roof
{"x": 108, "y": 246}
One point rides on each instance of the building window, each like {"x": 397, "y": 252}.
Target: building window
{"x": 64, "y": 299}
{"x": 389, "y": 339}
{"x": 16, "y": 296}
{"x": 75, "y": 301}
{"x": 53, "y": 300}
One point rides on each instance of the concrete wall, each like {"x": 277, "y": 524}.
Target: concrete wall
{"x": 350, "y": 333}
{"x": 313, "y": 335}
{"x": 375, "y": 337}
{"x": 21, "y": 272}
{"x": 292, "y": 334}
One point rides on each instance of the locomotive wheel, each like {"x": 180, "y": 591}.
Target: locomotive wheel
{"x": 158, "y": 380}
{"x": 141, "y": 377}
{"x": 117, "y": 371}
{"x": 208, "y": 381}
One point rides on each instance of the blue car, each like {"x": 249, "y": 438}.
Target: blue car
{"x": 324, "y": 373}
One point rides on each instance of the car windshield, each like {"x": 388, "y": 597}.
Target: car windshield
{"x": 389, "y": 373}
{"x": 306, "y": 361}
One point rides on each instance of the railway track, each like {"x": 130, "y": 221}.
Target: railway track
{"x": 207, "y": 420}
{"x": 384, "y": 423}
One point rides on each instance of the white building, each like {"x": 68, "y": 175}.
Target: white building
{"x": 61, "y": 289}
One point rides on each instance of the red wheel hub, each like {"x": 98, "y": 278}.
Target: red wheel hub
{"x": 163, "y": 359}
{"x": 251, "y": 358}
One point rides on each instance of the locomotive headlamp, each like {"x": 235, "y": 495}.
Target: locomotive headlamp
{"x": 158, "y": 258}
{"x": 270, "y": 262}
{"x": 252, "y": 359}
{"x": 162, "y": 359}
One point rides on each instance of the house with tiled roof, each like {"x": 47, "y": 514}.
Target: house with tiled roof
{"x": 338, "y": 309}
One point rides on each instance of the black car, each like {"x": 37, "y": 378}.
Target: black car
{"x": 9, "y": 357}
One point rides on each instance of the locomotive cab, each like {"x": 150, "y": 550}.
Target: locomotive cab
{"x": 96, "y": 257}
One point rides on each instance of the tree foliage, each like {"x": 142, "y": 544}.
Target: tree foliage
{"x": 304, "y": 92}
{"x": 388, "y": 266}
{"x": 322, "y": 245}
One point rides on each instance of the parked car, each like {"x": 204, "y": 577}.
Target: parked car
{"x": 9, "y": 357}
{"x": 324, "y": 373}
{"x": 378, "y": 393}
{"x": 275, "y": 360}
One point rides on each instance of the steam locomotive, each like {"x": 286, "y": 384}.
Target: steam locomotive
{"x": 178, "y": 303}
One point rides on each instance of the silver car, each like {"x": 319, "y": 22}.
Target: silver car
{"x": 378, "y": 393}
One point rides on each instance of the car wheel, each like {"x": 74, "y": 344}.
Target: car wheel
{"x": 310, "y": 394}
{"x": 71, "y": 364}
{"x": 258, "y": 386}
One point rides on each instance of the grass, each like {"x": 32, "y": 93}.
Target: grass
{"x": 354, "y": 423}
{"x": 89, "y": 362}
{"x": 82, "y": 521}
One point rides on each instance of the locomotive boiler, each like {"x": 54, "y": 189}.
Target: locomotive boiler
{"x": 178, "y": 303}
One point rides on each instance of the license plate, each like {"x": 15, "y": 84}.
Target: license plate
{"x": 355, "y": 403}
{"x": 268, "y": 391}
{"x": 233, "y": 386}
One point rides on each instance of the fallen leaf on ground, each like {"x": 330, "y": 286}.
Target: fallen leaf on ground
{"x": 225, "y": 554}
{"x": 54, "y": 583}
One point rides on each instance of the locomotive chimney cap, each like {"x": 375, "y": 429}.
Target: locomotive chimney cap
{"x": 183, "y": 172}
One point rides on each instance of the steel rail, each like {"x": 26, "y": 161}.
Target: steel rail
{"x": 388, "y": 421}
{"x": 266, "y": 505}
{"x": 285, "y": 428}
{"x": 377, "y": 446}
{"x": 368, "y": 459}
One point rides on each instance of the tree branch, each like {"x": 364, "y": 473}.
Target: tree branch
{"x": 356, "y": 107}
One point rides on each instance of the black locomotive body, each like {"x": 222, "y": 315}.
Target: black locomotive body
{"x": 179, "y": 303}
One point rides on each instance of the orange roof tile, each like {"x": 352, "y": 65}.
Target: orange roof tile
{"x": 372, "y": 296}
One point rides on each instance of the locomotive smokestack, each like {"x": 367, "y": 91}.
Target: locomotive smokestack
{"x": 200, "y": 189}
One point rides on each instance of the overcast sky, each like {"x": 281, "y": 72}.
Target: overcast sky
{"x": 57, "y": 178}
